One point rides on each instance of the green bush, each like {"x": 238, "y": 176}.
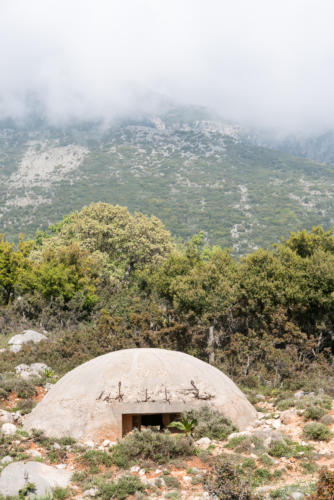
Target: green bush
{"x": 225, "y": 483}
{"x": 61, "y": 493}
{"x": 280, "y": 449}
{"x": 211, "y": 424}
{"x": 123, "y": 488}
{"x": 159, "y": 447}
{"x": 172, "y": 482}
{"x": 261, "y": 476}
{"x": 325, "y": 486}
{"x": 94, "y": 458}
{"x": 317, "y": 432}
{"x": 313, "y": 413}
{"x": 25, "y": 406}
{"x": 9, "y": 384}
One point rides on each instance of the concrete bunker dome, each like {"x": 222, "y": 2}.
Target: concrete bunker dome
{"x": 108, "y": 396}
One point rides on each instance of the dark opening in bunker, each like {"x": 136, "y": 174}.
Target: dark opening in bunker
{"x": 159, "y": 421}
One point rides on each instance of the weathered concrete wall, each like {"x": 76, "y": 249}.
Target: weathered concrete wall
{"x": 88, "y": 402}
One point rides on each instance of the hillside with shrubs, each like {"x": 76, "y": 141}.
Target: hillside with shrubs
{"x": 104, "y": 279}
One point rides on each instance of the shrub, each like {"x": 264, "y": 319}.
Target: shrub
{"x": 94, "y": 458}
{"x": 23, "y": 388}
{"x": 172, "y": 482}
{"x": 313, "y": 413}
{"x": 159, "y": 447}
{"x": 25, "y": 406}
{"x": 325, "y": 486}
{"x": 280, "y": 449}
{"x": 317, "y": 431}
{"x": 61, "y": 493}
{"x": 261, "y": 476}
{"x": 266, "y": 460}
{"x": 225, "y": 484}
{"x": 211, "y": 424}
{"x": 123, "y": 488}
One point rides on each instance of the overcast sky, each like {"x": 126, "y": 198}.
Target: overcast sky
{"x": 264, "y": 62}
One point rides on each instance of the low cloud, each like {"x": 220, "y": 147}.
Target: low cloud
{"x": 263, "y": 63}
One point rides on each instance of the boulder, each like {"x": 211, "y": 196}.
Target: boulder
{"x": 6, "y": 460}
{"x": 28, "y": 371}
{"x": 17, "y": 341}
{"x": 17, "y": 474}
{"x": 288, "y": 416}
{"x": 204, "y": 442}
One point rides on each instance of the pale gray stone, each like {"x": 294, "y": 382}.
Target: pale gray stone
{"x": 204, "y": 442}
{"x": 6, "y": 460}
{"x": 288, "y": 416}
{"x": 92, "y": 492}
{"x": 239, "y": 434}
{"x": 17, "y": 341}
{"x": 6, "y": 417}
{"x": 299, "y": 394}
{"x": 16, "y": 475}
{"x": 28, "y": 371}
{"x": 8, "y": 429}
{"x": 297, "y": 495}
{"x": 34, "y": 453}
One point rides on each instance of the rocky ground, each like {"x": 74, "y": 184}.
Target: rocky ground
{"x": 279, "y": 456}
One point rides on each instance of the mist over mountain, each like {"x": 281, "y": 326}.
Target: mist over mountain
{"x": 255, "y": 63}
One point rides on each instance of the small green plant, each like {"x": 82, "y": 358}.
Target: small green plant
{"x": 317, "y": 432}
{"x": 261, "y": 476}
{"x": 266, "y": 460}
{"x": 61, "y": 493}
{"x": 234, "y": 442}
{"x": 123, "y": 488}
{"x": 249, "y": 463}
{"x": 185, "y": 425}
{"x": 49, "y": 373}
{"x": 308, "y": 467}
{"x": 26, "y": 490}
{"x": 172, "y": 482}
{"x": 94, "y": 458}
{"x": 280, "y": 449}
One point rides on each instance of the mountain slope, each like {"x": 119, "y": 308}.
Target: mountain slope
{"x": 192, "y": 172}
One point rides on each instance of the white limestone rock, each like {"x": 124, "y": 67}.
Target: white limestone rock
{"x": 15, "y": 476}
{"x": 204, "y": 442}
{"x": 34, "y": 453}
{"x": 28, "y": 371}
{"x": 17, "y": 341}
{"x": 8, "y": 429}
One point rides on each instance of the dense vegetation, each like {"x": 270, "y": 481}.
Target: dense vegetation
{"x": 190, "y": 170}
{"x": 103, "y": 279}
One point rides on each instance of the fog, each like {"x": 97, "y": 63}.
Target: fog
{"x": 259, "y": 62}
